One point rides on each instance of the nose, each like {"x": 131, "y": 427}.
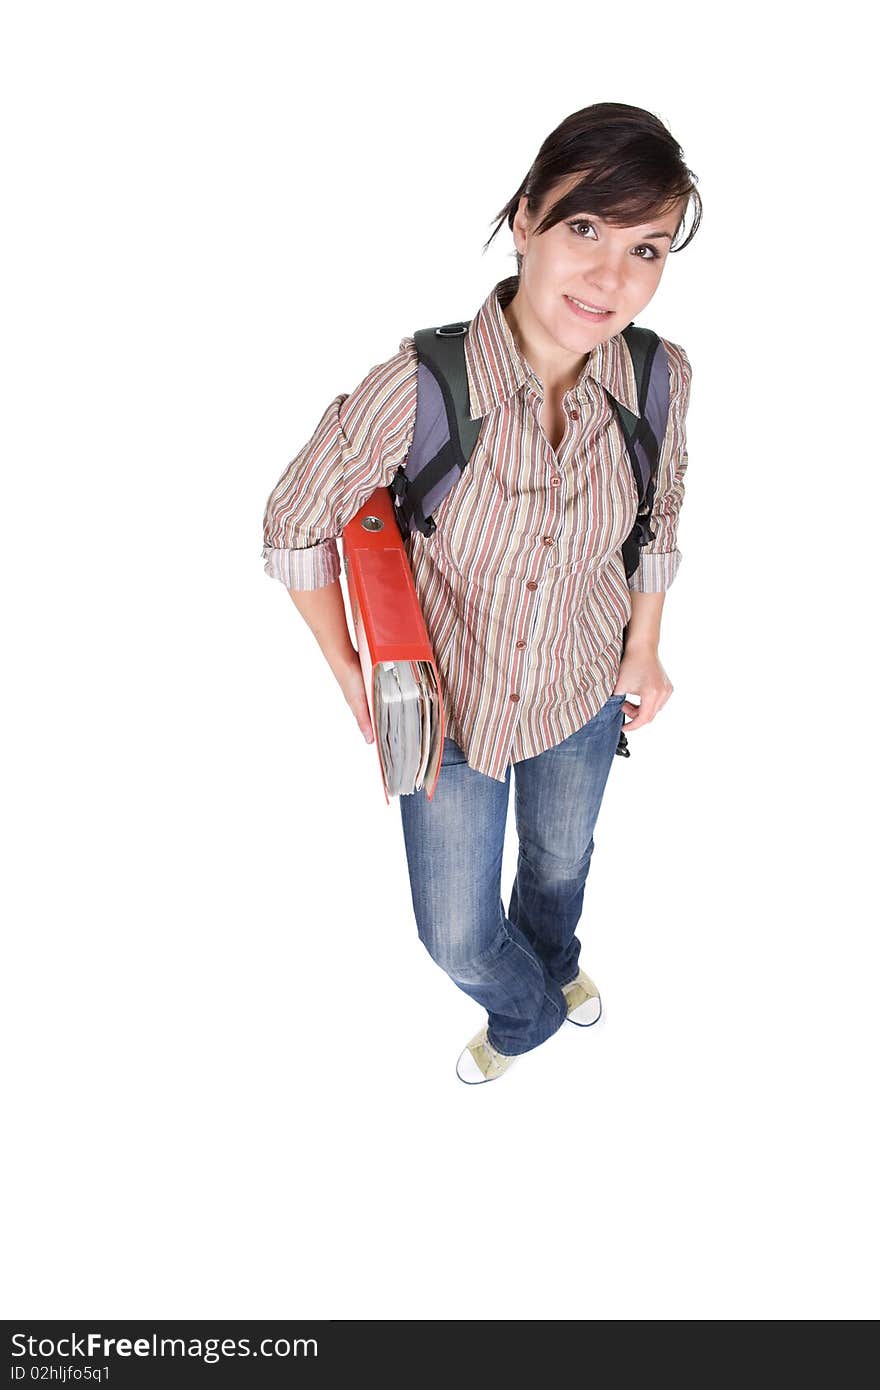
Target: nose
{"x": 602, "y": 288}
{"x": 604, "y": 278}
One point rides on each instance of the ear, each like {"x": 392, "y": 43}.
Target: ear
{"x": 521, "y": 223}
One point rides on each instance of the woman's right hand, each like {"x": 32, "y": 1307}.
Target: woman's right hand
{"x": 351, "y": 683}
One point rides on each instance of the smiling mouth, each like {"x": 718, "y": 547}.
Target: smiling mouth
{"x": 588, "y": 308}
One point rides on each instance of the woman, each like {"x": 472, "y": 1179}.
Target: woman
{"x": 522, "y": 586}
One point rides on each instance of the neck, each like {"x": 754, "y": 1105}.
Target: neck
{"x": 556, "y": 369}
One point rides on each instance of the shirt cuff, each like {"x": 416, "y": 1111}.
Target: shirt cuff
{"x": 308, "y": 567}
{"x": 655, "y": 573}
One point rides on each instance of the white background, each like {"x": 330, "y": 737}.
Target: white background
{"x": 229, "y": 1061}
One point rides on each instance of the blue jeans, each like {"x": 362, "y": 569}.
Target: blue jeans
{"x": 513, "y": 963}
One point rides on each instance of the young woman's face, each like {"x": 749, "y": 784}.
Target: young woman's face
{"x": 583, "y": 258}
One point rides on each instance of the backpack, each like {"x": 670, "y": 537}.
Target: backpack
{"x": 444, "y": 435}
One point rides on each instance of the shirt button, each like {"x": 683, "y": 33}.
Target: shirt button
{"x": 573, "y": 414}
{"x": 520, "y": 644}
{"x": 514, "y": 696}
{"x": 555, "y": 481}
{"x": 531, "y": 584}
{"x": 548, "y": 540}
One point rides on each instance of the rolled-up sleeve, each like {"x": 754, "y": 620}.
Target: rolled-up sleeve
{"x": 660, "y": 558}
{"x": 359, "y": 443}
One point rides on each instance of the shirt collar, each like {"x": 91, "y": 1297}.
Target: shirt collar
{"x": 496, "y": 367}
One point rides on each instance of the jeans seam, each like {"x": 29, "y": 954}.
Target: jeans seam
{"x": 533, "y": 956}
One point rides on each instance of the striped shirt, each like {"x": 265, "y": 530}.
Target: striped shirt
{"x": 522, "y": 586}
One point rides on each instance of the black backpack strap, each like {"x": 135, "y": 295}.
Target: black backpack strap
{"x": 644, "y": 434}
{"x": 444, "y": 435}
{"x": 644, "y": 437}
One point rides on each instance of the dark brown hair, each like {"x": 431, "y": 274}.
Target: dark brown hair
{"x": 633, "y": 171}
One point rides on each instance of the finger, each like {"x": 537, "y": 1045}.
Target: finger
{"x": 641, "y": 714}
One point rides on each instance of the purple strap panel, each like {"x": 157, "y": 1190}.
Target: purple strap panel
{"x": 655, "y": 412}
{"x": 430, "y": 435}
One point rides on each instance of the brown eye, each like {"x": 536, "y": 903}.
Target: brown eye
{"x": 583, "y": 222}
{"x": 580, "y": 222}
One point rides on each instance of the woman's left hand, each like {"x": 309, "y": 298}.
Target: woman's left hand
{"x": 642, "y": 674}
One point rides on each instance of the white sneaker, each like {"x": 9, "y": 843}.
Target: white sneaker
{"x": 480, "y": 1061}
{"x": 584, "y": 1003}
